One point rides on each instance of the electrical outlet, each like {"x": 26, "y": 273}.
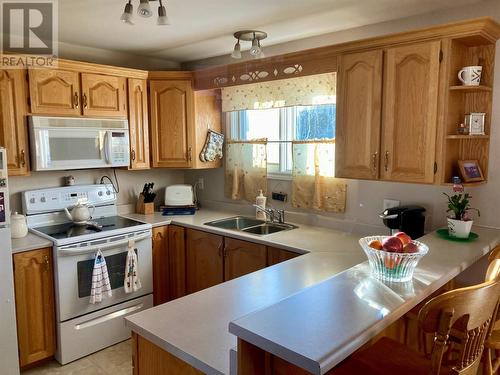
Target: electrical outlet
{"x": 389, "y": 203}
{"x": 201, "y": 183}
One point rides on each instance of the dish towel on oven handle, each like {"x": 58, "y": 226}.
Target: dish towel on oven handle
{"x": 132, "y": 281}
{"x": 100, "y": 279}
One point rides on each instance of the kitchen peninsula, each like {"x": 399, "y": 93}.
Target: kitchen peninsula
{"x": 324, "y": 299}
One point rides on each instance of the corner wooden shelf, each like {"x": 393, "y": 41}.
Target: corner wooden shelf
{"x": 458, "y": 137}
{"x": 470, "y": 88}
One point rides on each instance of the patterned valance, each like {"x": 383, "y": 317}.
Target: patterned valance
{"x": 308, "y": 90}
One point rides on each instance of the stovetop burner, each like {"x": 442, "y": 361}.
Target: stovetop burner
{"x": 70, "y": 230}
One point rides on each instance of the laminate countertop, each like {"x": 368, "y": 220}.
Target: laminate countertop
{"x": 30, "y": 242}
{"x": 333, "y": 274}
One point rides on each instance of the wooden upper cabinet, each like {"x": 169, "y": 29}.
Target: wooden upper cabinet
{"x": 358, "y": 115}
{"x": 103, "y": 95}
{"x": 204, "y": 260}
{"x": 242, "y": 257}
{"x": 35, "y": 308}
{"x": 54, "y": 92}
{"x": 409, "y": 119}
{"x": 138, "y": 123}
{"x": 172, "y": 110}
{"x": 160, "y": 265}
{"x": 13, "y": 126}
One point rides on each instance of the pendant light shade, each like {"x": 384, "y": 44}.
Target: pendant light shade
{"x": 127, "y": 14}
{"x": 144, "y": 9}
{"x": 162, "y": 16}
{"x": 236, "y": 51}
{"x": 255, "y": 50}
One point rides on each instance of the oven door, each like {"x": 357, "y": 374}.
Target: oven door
{"x": 75, "y": 263}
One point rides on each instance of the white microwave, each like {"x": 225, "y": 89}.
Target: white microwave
{"x": 62, "y": 143}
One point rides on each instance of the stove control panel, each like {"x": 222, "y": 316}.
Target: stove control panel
{"x": 56, "y": 199}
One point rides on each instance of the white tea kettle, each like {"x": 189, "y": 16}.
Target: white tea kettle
{"x": 81, "y": 213}
{"x": 18, "y": 226}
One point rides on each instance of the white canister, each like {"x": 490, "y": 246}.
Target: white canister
{"x": 18, "y": 226}
{"x": 459, "y": 228}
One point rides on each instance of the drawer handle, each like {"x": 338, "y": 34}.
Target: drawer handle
{"x": 76, "y": 100}
{"x": 386, "y": 163}
{"x": 374, "y": 162}
{"x": 132, "y": 155}
{"x": 190, "y": 153}
{"x": 84, "y": 100}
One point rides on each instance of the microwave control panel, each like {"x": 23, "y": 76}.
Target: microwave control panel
{"x": 119, "y": 149}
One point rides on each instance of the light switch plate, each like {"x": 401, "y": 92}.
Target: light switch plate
{"x": 389, "y": 203}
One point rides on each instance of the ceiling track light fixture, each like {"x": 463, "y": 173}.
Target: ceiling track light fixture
{"x": 253, "y": 36}
{"x": 144, "y": 10}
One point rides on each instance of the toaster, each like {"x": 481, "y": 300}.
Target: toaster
{"x": 179, "y": 195}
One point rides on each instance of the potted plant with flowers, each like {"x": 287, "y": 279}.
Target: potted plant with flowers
{"x": 460, "y": 221}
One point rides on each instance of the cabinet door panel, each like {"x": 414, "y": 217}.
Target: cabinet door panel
{"x": 358, "y": 115}
{"x": 242, "y": 257}
{"x": 410, "y": 112}
{"x": 171, "y": 123}
{"x": 204, "y": 262}
{"x": 103, "y": 95}
{"x": 13, "y": 126}
{"x": 160, "y": 265}
{"x": 54, "y": 92}
{"x": 275, "y": 255}
{"x": 35, "y": 310}
{"x": 177, "y": 261}
{"x": 138, "y": 124}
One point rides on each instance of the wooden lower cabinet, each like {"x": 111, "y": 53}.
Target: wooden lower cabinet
{"x": 176, "y": 261}
{"x": 204, "y": 260}
{"x": 242, "y": 257}
{"x": 35, "y": 308}
{"x": 160, "y": 265}
{"x": 275, "y": 255}
{"x": 149, "y": 359}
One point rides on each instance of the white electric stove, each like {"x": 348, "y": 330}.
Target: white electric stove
{"x": 84, "y": 328}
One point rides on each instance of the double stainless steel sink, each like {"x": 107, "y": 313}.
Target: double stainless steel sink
{"x": 250, "y": 225}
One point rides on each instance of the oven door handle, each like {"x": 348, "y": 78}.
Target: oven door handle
{"x": 104, "y": 246}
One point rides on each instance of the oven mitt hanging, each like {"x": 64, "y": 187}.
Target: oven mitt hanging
{"x": 132, "y": 281}
{"x": 212, "y": 149}
{"x": 100, "y": 280}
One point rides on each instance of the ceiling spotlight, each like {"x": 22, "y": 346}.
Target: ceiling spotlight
{"x": 144, "y": 10}
{"x": 236, "y": 51}
{"x": 162, "y": 15}
{"x": 127, "y": 13}
{"x": 253, "y": 36}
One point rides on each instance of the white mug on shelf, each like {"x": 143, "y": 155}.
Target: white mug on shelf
{"x": 470, "y": 75}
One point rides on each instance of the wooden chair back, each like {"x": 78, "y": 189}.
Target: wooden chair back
{"x": 494, "y": 265}
{"x": 471, "y": 308}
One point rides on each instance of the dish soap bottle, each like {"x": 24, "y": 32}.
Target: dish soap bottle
{"x": 260, "y": 201}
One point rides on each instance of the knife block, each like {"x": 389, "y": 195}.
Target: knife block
{"x": 144, "y": 208}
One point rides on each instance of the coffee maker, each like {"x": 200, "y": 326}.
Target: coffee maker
{"x": 408, "y": 219}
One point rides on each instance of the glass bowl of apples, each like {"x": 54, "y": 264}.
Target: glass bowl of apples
{"x": 393, "y": 258}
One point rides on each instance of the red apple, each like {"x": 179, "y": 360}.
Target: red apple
{"x": 393, "y": 245}
{"x": 376, "y": 244}
{"x": 410, "y": 248}
{"x": 405, "y": 239}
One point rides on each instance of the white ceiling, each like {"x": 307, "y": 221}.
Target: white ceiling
{"x": 204, "y": 28}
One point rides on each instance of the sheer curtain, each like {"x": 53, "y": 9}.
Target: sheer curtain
{"x": 245, "y": 169}
{"x": 313, "y": 182}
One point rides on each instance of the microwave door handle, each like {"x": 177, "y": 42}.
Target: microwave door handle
{"x": 107, "y": 147}
{"x": 105, "y": 246}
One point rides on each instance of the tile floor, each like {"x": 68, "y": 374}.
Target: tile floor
{"x": 115, "y": 360}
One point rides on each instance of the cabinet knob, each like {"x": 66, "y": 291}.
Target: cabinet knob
{"x": 23, "y": 158}
{"x": 76, "y": 100}
{"x": 386, "y": 163}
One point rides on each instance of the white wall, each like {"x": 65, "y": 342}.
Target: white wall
{"x": 365, "y": 198}
{"x": 131, "y": 182}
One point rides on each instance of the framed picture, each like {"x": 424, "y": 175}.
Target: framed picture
{"x": 470, "y": 170}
